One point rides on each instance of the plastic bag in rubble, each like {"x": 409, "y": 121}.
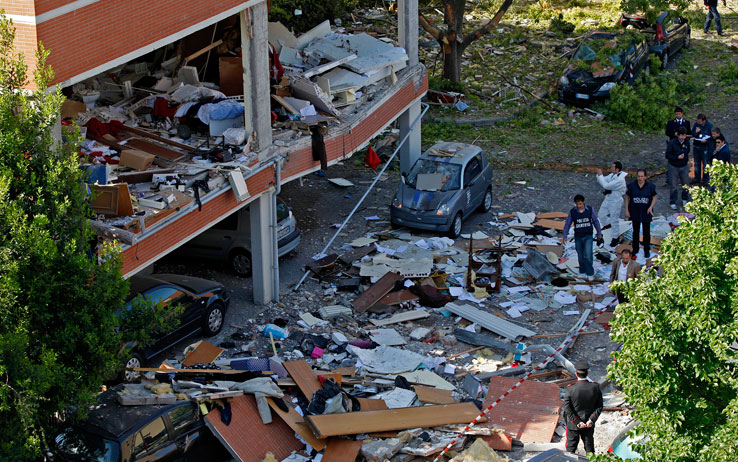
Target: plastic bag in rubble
{"x": 538, "y": 266}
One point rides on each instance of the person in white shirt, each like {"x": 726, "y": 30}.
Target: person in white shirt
{"x": 614, "y": 187}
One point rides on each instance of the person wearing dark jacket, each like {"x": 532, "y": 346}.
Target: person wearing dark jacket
{"x": 702, "y": 147}
{"x": 678, "y": 121}
{"x": 712, "y": 12}
{"x": 640, "y": 199}
{"x": 582, "y": 407}
{"x": 677, "y": 165}
{"x": 585, "y": 221}
{"x": 722, "y": 151}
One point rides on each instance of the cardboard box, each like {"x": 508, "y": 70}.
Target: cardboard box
{"x": 71, "y": 108}
{"x": 136, "y": 159}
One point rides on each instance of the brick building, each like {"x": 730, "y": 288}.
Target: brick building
{"x": 88, "y": 37}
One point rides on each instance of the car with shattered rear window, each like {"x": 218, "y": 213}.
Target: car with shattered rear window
{"x": 601, "y": 61}
{"x": 668, "y": 33}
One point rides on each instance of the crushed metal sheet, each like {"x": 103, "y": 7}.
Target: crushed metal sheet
{"x": 490, "y": 322}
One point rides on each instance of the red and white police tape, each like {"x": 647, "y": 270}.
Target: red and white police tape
{"x": 543, "y": 363}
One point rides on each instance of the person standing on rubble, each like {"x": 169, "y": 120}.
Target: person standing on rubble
{"x": 640, "y": 199}
{"x": 582, "y": 406}
{"x": 585, "y": 222}
{"x": 613, "y": 187}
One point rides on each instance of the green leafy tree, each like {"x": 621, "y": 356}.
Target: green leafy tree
{"x": 653, "y": 7}
{"x": 60, "y": 336}
{"x": 676, "y": 365}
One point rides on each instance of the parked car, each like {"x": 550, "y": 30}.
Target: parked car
{"x": 601, "y": 61}
{"x": 115, "y": 433}
{"x": 230, "y": 239}
{"x": 628, "y": 447}
{"x": 444, "y": 186}
{"x": 558, "y": 455}
{"x": 204, "y": 306}
{"x": 667, "y": 35}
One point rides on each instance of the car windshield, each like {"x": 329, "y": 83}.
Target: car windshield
{"x": 585, "y": 53}
{"x": 448, "y": 175}
{"x": 282, "y": 210}
{"x": 84, "y": 446}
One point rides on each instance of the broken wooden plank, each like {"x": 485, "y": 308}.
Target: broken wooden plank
{"x": 369, "y": 404}
{"x": 430, "y": 395}
{"x": 153, "y": 148}
{"x": 202, "y": 51}
{"x": 327, "y": 66}
{"x": 204, "y": 353}
{"x": 553, "y": 224}
{"x": 296, "y": 423}
{"x": 341, "y": 450}
{"x": 285, "y": 104}
{"x": 352, "y": 423}
{"x": 401, "y": 317}
{"x": 304, "y": 376}
{"x": 153, "y": 136}
{"x": 395, "y": 298}
{"x": 374, "y": 293}
{"x": 145, "y": 176}
{"x": 551, "y": 215}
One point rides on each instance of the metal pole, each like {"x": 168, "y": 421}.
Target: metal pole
{"x": 371, "y": 186}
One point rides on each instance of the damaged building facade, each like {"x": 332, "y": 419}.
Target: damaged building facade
{"x": 131, "y": 70}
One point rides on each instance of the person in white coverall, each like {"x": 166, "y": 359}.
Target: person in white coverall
{"x": 613, "y": 188}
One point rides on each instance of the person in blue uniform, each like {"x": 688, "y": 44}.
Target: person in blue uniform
{"x": 640, "y": 199}
{"x": 585, "y": 222}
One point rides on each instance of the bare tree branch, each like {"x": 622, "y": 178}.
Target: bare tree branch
{"x": 428, "y": 27}
{"x": 485, "y": 29}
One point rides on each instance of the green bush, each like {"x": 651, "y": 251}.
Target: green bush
{"x": 441, "y": 84}
{"x": 313, "y": 13}
{"x": 647, "y": 105}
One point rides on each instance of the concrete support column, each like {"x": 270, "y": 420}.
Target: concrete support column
{"x": 262, "y": 242}
{"x": 255, "y": 47}
{"x": 408, "y": 28}
{"x": 258, "y": 119}
{"x": 408, "y": 38}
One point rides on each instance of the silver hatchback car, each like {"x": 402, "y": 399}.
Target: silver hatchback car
{"x": 231, "y": 239}
{"x": 445, "y": 185}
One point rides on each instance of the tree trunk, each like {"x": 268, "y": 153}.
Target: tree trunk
{"x": 452, "y": 45}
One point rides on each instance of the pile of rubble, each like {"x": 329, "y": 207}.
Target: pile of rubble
{"x": 412, "y": 336}
{"x": 157, "y": 139}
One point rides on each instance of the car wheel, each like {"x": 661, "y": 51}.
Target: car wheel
{"x": 134, "y": 360}
{"x": 455, "y": 228}
{"x": 664, "y": 60}
{"x": 241, "y": 263}
{"x": 487, "y": 202}
{"x": 212, "y": 322}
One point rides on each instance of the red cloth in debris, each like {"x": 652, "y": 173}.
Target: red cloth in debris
{"x": 96, "y": 129}
{"x": 276, "y": 70}
{"x": 372, "y": 159}
{"x": 162, "y": 109}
